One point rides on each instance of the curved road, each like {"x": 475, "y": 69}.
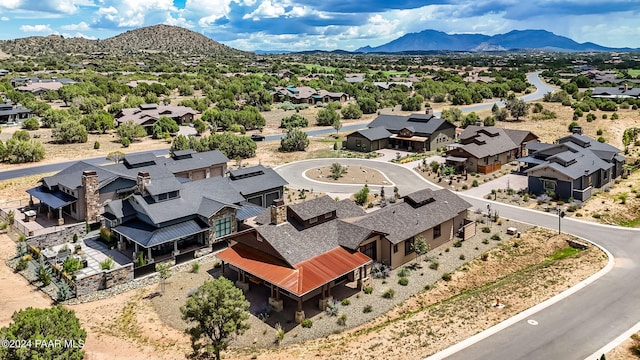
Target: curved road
{"x": 575, "y": 327}
{"x": 533, "y": 78}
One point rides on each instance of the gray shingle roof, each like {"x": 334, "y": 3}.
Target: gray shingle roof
{"x": 163, "y": 185}
{"x": 424, "y": 124}
{"x": 314, "y": 208}
{"x": 480, "y": 142}
{"x": 402, "y": 221}
{"x": 373, "y": 134}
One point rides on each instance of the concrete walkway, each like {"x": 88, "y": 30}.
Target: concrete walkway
{"x": 509, "y": 181}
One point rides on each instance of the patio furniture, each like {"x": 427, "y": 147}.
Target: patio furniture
{"x": 30, "y": 215}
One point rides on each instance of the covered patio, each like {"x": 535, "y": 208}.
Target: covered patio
{"x": 301, "y": 282}
{"x": 148, "y": 244}
{"x": 411, "y": 143}
{"x": 56, "y": 203}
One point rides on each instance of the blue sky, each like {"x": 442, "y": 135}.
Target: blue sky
{"x": 324, "y": 24}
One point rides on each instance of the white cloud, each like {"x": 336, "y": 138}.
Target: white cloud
{"x": 36, "y": 28}
{"x": 133, "y": 13}
{"x": 10, "y": 4}
{"x": 81, "y": 26}
{"x": 266, "y": 10}
{"x": 179, "y": 21}
{"x": 4, "y": 18}
{"x": 207, "y": 11}
{"x": 79, "y": 35}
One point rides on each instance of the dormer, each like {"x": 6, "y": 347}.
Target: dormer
{"x": 313, "y": 212}
{"x": 419, "y": 198}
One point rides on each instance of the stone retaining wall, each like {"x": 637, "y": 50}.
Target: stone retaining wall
{"x": 104, "y": 280}
{"x": 59, "y": 237}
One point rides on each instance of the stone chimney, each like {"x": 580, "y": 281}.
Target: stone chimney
{"x": 143, "y": 180}
{"x": 90, "y": 185}
{"x": 278, "y": 212}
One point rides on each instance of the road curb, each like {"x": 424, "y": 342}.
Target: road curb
{"x": 532, "y": 310}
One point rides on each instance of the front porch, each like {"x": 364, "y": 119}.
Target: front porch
{"x": 411, "y": 143}
{"x": 146, "y": 245}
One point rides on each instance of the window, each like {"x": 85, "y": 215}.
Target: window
{"x": 495, "y": 158}
{"x": 395, "y": 248}
{"x": 486, "y": 160}
{"x": 328, "y": 215}
{"x": 549, "y": 185}
{"x": 173, "y": 194}
{"x": 590, "y": 180}
{"x": 162, "y": 196}
{"x": 313, "y": 220}
{"x": 358, "y": 143}
{"x": 223, "y": 226}
{"x": 408, "y": 247}
{"x": 437, "y": 231}
{"x": 370, "y": 250}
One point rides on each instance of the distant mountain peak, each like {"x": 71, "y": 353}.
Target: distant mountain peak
{"x": 433, "y": 40}
{"x": 156, "y": 38}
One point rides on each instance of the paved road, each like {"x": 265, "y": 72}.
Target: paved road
{"x": 39, "y": 169}
{"x": 573, "y": 328}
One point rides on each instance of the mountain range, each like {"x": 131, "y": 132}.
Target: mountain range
{"x": 176, "y": 40}
{"x": 432, "y": 40}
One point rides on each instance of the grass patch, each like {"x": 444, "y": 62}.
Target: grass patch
{"x": 563, "y": 253}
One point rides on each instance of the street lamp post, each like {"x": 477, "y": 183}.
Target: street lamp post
{"x": 489, "y": 215}
{"x": 560, "y": 216}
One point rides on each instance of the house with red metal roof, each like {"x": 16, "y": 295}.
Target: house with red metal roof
{"x": 301, "y": 251}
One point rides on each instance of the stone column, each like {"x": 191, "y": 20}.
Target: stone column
{"x": 149, "y": 257}
{"x": 176, "y": 252}
{"x": 276, "y": 303}
{"x": 300, "y": 313}
{"x": 60, "y": 217}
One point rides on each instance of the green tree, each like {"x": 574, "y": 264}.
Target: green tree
{"x": 164, "y": 271}
{"x": 413, "y": 103}
{"x": 294, "y": 140}
{"x": 20, "y": 151}
{"x": 200, "y": 126}
{"x": 219, "y": 311}
{"x": 294, "y": 121}
{"x": 327, "y": 117}
{"x": 44, "y": 325}
{"x": 116, "y": 156}
{"x": 130, "y": 131}
{"x": 361, "y": 196}
{"x": 164, "y": 125}
{"x": 337, "y": 170}
{"x": 21, "y": 135}
{"x": 70, "y": 131}
{"x": 180, "y": 142}
{"x": 100, "y": 121}
{"x": 351, "y": 111}
{"x": 368, "y": 105}
{"x": 518, "y": 108}
{"x": 471, "y": 119}
{"x": 337, "y": 125}
{"x": 31, "y": 124}
{"x": 52, "y": 117}
{"x": 420, "y": 246}
{"x": 452, "y": 115}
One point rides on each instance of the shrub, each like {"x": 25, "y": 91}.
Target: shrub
{"x": 403, "y": 281}
{"x": 446, "y": 277}
{"x": 457, "y": 244}
{"x": 484, "y": 257}
{"x": 294, "y": 140}
{"x": 342, "y": 320}
{"x": 346, "y": 302}
{"x": 495, "y": 236}
{"x": 327, "y": 117}
{"x": 486, "y": 230}
{"x": 333, "y": 308}
{"x": 361, "y": 196}
{"x": 71, "y": 265}
{"x": 306, "y": 323}
{"x": 380, "y": 271}
{"x": 404, "y": 272}
{"x": 389, "y": 294}
{"x": 294, "y": 121}
{"x": 195, "y": 267}
{"x": 462, "y": 257}
{"x": 96, "y": 145}
{"x": 31, "y": 124}
{"x": 22, "y": 264}
{"x": 434, "y": 265}
{"x": 107, "y": 263}
{"x": 367, "y": 309}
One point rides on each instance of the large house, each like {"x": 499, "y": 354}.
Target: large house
{"x": 13, "y": 113}
{"x": 484, "y": 149}
{"x": 303, "y": 250}
{"x": 622, "y": 91}
{"x": 416, "y": 132}
{"x": 572, "y": 167}
{"x": 147, "y": 114}
{"x": 306, "y": 95}
{"x": 81, "y": 190}
{"x": 38, "y": 86}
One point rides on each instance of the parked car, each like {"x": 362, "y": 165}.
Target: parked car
{"x": 257, "y": 137}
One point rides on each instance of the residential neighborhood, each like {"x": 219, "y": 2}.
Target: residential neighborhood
{"x": 387, "y": 202}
